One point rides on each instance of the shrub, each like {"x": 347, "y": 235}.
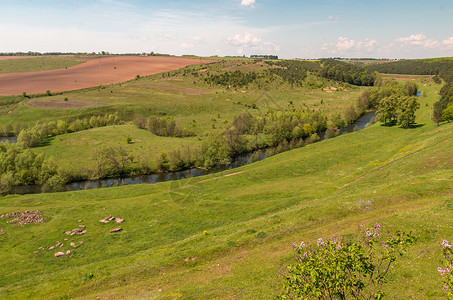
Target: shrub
{"x": 338, "y": 269}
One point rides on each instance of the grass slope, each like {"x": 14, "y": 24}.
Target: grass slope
{"x": 402, "y": 178}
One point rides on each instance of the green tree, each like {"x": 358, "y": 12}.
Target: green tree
{"x": 447, "y": 114}
{"x": 215, "y": 150}
{"x": 387, "y": 110}
{"x": 406, "y": 111}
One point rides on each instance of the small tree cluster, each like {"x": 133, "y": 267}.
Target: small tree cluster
{"x": 398, "y": 108}
{"x": 162, "y": 126}
{"x": 339, "y": 269}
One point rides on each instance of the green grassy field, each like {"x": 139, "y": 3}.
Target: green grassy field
{"x": 41, "y": 63}
{"x": 229, "y": 236}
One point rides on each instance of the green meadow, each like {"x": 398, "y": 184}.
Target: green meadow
{"x": 230, "y": 234}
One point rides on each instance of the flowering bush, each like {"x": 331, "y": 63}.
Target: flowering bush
{"x": 446, "y": 272}
{"x": 339, "y": 269}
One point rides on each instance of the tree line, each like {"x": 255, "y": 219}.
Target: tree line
{"x": 33, "y": 136}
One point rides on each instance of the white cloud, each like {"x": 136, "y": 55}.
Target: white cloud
{"x": 345, "y": 44}
{"x": 186, "y": 45}
{"x": 448, "y": 42}
{"x": 413, "y": 38}
{"x": 248, "y": 3}
{"x": 246, "y": 40}
{"x": 419, "y": 40}
{"x": 251, "y": 43}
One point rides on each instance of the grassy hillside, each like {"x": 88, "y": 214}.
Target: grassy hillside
{"x": 34, "y": 64}
{"x": 182, "y": 95}
{"x": 227, "y": 235}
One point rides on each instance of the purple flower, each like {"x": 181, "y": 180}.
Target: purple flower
{"x": 320, "y": 242}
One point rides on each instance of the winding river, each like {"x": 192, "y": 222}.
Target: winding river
{"x": 236, "y": 162}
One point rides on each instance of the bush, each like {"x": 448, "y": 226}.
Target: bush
{"x": 338, "y": 269}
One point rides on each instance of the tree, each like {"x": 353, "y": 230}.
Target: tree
{"x": 387, "y": 108}
{"x": 447, "y": 114}
{"x": 215, "y": 150}
{"x": 406, "y": 111}
{"x": 339, "y": 269}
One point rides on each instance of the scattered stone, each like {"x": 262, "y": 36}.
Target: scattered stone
{"x": 82, "y": 232}
{"x": 116, "y": 230}
{"x": 40, "y": 248}
{"x": 82, "y": 226}
{"x": 68, "y": 252}
{"x": 59, "y": 254}
{"x": 61, "y": 245}
{"x": 110, "y": 218}
{"x": 72, "y": 233}
{"x": 36, "y": 252}
{"x": 67, "y": 232}
{"x": 81, "y": 242}
{"x": 58, "y": 244}
{"x": 2, "y": 231}
{"x": 66, "y": 239}
{"x": 51, "y": 247}
{"x": 186, "y": 259}
{"x": 80, "y": 221}
{"x": 23, "y": 218}
{"x": 74, "y": 245}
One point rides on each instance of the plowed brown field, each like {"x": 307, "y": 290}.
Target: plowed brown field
{"x": 94, "y": 72}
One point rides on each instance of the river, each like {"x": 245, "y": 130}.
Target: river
{"x": 236, "y": 162}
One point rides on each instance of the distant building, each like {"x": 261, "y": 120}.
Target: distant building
{"x": 264, "y": 56}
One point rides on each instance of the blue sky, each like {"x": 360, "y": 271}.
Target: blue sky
{"x": 290, "y": 29}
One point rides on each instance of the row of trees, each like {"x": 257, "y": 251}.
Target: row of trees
{"x": 32, "y": 137}
{"x": 162, "y": 126}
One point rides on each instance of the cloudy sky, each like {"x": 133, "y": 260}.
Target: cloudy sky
{"x": 289, "y": 29}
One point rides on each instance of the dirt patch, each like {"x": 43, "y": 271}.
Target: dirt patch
{"x": 61, "y": 104}
{"x": 171, "y": 89}
{"x": 94, "y": 72}
{"x": 23, "y": 218}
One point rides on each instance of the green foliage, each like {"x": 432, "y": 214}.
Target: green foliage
{"x": 349, "y": 73}
{"x": 447, "y": 114}
{"x": 406, "y": 111}
{"x": 162, "y": 126}
{"x": 236, "y": 79}
{"x": 339, "y": 269}
{"x": 215, "y": 150}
